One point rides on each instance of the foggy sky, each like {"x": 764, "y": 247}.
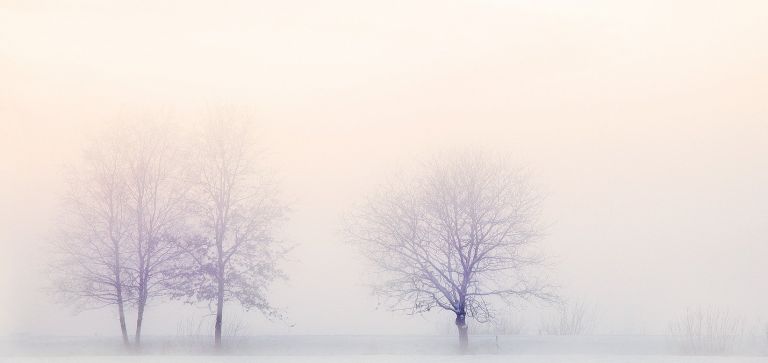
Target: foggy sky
{"x": 644, "y": 123}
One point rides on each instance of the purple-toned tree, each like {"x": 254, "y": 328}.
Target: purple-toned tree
{"x": 155, "y": 192}
{"x": 453, "y": 237}
{"x": 92, "y": 247}
{"x": 123, "y": 214}
{"x": 232, "y": 250}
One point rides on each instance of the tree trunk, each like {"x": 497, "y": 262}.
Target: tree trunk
{"x": 119, "y": 293}
{"x": 142, "y": 277}
{"x": 142, "y": 300}
{"x": 140, "y": 319}
{"x": 461, "y": 325}
{"x": 121, "y": 313}
{"x": 219, "y": 313}
{"x": 220, "y": 282}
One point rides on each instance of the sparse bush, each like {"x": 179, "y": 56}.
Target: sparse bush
{"x": 503, "y": 324}
{"x": 232, "y": 327}
{"x": 707, "y": 331}
{"x": 189, "y": 327}
{"x": 765, "y": 330}
{"x": 570, "y": 319}
{"x": 235, "y": 326}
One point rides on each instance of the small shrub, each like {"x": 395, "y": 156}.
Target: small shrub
{"x": 570, "y": 319}
{"x": 707, "y": 331}
{"x": 506, "y": 324}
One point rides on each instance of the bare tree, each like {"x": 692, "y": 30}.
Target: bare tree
{"x": 235, "y": 208}
{"x": 154, "y": 202}
{"x": 124, "y": 209}
{"x": 92, "y": 246}
{"x": 453, "y": 237}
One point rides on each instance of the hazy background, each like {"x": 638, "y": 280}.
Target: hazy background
{"x": 645, "y": 123}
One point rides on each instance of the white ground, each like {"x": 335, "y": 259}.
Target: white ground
{"x": 371, "y": 349}
{"x": 392, "y": 359}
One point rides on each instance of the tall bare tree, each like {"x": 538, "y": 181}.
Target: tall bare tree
{"x": 90, "y": 269}
{"x": 453, "y": 237}
{"x": 234, "y": 252}
{"x": 154, "y": 202}
{"x": 122, "y": 219}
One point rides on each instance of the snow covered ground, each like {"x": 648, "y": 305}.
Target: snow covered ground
{"x": 393, "y": 359}
{"x": 373, "y": 349}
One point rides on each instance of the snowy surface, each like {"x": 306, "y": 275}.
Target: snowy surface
{"x": 397, "y": 358}
{"x": 406, "y": 349}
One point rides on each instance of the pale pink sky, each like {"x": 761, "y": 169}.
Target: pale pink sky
{"x": 645, "y": 122}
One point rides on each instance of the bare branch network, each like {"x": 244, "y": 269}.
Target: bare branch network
{"x": 454, "y": 236}
{"x": 148, "y": 216}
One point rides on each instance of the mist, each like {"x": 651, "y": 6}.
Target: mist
{"x": 642, "y": 125}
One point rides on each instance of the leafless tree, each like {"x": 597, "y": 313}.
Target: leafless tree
{"x": 454, "y": 236}
{"x": 122, "y": 219}
{"x": 154, "y": 203}
{"x": 90, "y": 269}
{"x": 234, "y": 252}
